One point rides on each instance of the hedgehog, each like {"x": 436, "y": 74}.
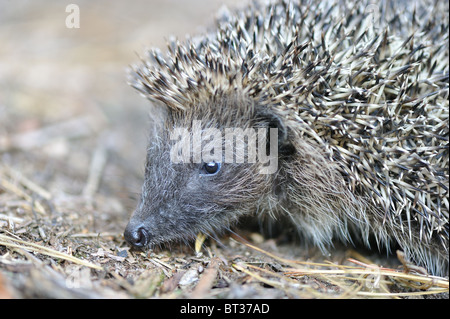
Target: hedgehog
{"x": 357, "y": 94}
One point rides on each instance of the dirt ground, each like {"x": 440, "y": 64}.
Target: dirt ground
{"x": 72, "y": 147}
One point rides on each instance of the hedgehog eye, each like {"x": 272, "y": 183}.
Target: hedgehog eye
{"x": 211, "y": 168}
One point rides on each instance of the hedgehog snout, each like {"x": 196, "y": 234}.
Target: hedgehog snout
{"x": 136, "y": 234}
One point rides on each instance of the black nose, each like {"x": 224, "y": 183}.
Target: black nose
{"x": 136, "y": 237}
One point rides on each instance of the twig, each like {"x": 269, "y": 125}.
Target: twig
{"x": 26, "y": 182}
{"x": 19, "y": 192}
{"x": 88, "y": 235}
{"x": 11, "y": 218}
{"x": 207, "y": 280}
{"x": 269, "y": 282}
{"x": 95, "y": 172}
{"x": 5, "y": 241}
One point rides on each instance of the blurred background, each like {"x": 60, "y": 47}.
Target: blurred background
{"x": 63, "y": 91}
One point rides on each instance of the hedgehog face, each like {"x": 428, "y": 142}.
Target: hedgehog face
{"x": 182, "y": 196}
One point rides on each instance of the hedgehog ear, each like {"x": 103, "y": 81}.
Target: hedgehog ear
{"x": 285, "y": 147}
